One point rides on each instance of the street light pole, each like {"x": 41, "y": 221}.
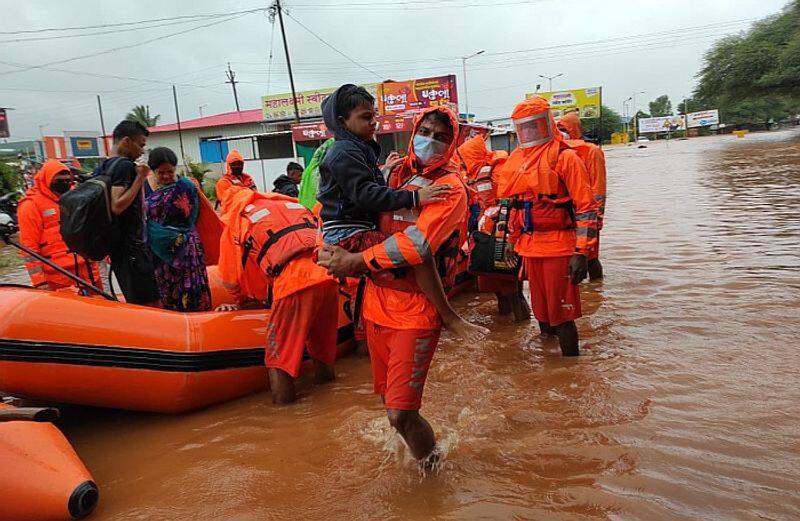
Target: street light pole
{"x": 635, "y": 118}
{"x": 550, "y": 79}
{"x": 466, "y": 91}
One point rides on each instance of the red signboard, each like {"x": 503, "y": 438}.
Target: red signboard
{"x": 402, "y": 97}
{"x": 310, "y": 132}
{"x": 4, "y": 132}
{"x": 386, "y": 125}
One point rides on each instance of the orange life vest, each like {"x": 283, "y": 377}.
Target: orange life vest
{"x": 279, "y": 231}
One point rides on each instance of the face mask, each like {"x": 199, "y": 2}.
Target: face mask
{"x": 428, "y": 150}
{"x": 237, "y": 169}
{"x": 60, "y": 186}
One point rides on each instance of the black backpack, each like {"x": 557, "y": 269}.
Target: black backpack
{"x": 87, "y": 225}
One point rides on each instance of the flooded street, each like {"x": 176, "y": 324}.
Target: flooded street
{"x": 684, "y": 404}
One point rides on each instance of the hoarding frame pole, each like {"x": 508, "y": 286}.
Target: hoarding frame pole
{"x": 600, "y": 123}
{"x": 178, "y": 119}
{"x": 288, "y": 61}
{"x": 102, "y": 125}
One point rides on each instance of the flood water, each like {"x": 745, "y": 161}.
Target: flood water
{"x": 684, "y": 405}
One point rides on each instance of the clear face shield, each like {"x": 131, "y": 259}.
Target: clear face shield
{"x": 534, "y": 130}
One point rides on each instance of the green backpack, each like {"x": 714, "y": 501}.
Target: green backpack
{"x": 310, "y": 180}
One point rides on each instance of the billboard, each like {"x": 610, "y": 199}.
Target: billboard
{"x": 309, "y": 103}
{"x": 662, "y": 124}
{"x": 394, "y": 98}
{"x": 317, "y": 130}
{"x": 703, "y": 118}
{"x": 402, "y": 97}
{"x": 4, "y": 132}
{"x": 586, "y": 101}
{"x": 83, "y": 144}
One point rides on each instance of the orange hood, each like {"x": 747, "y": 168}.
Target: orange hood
{"x": 531, "y": 170}
{"x": 233, "y": 156}
{"x": 412, "y": 166}
{"x": 571, "y": 124}
{"x": 43, "y": 178}
{"x": 474, "y": 155}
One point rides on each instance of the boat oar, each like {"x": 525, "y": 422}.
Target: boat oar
{"x": 31, "y": 414}
{"x": 6, "y": 236}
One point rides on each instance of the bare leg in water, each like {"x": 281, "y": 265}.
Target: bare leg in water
{"x": 568, "y": 338}
{"x": 323, "y": 373}
{"x": 417, "y": 433}
{"x": 595, "y": 269}
{"x": 282, "y": 386}
{"x": 430, "y": 283}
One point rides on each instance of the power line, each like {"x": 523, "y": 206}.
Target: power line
{"x": 138, "y": 22}
{"x": 115, "y": 49}
{"x": 315, "y": 35}
{"x": 98, "y": 33}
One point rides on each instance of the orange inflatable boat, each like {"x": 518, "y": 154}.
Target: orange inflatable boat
{"x": 42, "y": 479}
{"x": 59, "y": 347}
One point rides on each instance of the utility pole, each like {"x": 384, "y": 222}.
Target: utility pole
{"x": 277, "y": 7}
{"x": 232, "y": 80}
{"x": 635, "y": 117}
{"x": 178, "y": 119}
{"x": 102, "y": 124}
{"x": 466, "y": 92}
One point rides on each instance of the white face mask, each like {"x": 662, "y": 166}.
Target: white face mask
{"x": 534, "y": 130}
{"x": 428, "y": 150}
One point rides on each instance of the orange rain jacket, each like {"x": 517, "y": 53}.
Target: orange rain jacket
{"x": 479, "y": 163}
{"x": 429, "y": 228}
{"x": 247, "y": 214}
{"x": 592, "y": 156}
{"x": 39, "y": 216}
{"x": 538, "y": 174}
{"x": 228, "y": 180}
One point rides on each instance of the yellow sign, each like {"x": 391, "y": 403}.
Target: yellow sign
{"x": 309, "y": 103}
{"x": 586, "y": 101}
{"x": 84, "y": 144}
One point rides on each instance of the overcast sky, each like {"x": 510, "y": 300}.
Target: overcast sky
{"x": 622, "y": 45}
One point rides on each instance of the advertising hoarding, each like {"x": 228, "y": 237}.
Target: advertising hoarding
{"x": 585, "y": 100}
{"x": 703, "y": 118}
{"x": 662, "y": 124}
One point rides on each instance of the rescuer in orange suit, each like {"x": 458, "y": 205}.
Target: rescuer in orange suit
{"x": 270, "y": 239}
{"x": 595, "y": 161}
{"x": 555, "y": 219}
{"x": 479, "y": 164}
{"x": 401, "y": 324}
{"x": 39, "y": 216}
{"x": 234, "y": 175}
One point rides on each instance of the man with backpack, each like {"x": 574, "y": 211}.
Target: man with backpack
{"x": 131, "y": 261}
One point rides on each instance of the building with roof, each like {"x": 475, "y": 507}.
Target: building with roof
{"x": 266, "y": 146}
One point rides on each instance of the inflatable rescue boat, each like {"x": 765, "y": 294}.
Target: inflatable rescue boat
{"x": 42, "y": 479}
{"x": 60, "y": 347}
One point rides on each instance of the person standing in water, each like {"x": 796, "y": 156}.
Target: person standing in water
{"x": 555, "y": 227}
{"x": 402, "y": 323}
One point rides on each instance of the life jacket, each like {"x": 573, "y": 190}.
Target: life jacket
{"x": 402, "y": 279}
{"x": 279, "y": 231}
{"x": 547, "y": 212}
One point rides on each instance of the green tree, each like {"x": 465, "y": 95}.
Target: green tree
{"x": 603, "y": 127}
{"x": 755, "y": 76}
{"x": 141, "y": 113}
{"x": 10, "y": 179}
{"x": 661, "y": 106}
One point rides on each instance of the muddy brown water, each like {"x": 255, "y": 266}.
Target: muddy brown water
{"x": 684, "y": 404}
